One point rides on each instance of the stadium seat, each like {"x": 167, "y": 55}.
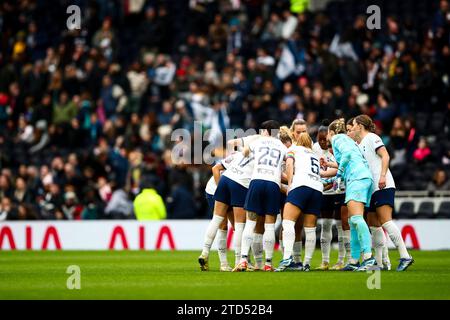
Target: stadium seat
{"x": 406, "y": 211}
{"x": 426, "y": 210}
{"x": 444, "y": 210}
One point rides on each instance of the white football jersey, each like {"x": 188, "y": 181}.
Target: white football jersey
{"x": 306, "y": 168}
{"x": 211, "y": 186}
{"x": 328, "y": 156}
{"x": 247, "y": 141}
{"x": 269, "y": 154}
{"x": 240, "y": 169}
{"x": 369, "y": 147}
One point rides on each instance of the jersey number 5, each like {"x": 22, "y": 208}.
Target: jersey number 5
{"x": 315, "y": 167}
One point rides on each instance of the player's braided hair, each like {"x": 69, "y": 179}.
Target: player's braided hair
{"x": 338, "y": 126}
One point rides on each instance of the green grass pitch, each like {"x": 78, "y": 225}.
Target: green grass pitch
{"x": 176, "y": 275}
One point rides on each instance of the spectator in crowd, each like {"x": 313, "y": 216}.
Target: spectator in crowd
{"x": 180, "y": 203}
{"x": 440, "y": 181}
{"x": 5, "y": 187}
{"x": 50, "y": 204}
{"x": 422, "y": 152}
{"x": 119, "y": 206}
{"x": 71, "y": 210}
{"x": 148, "y": 204}
{"x": 92, "y": 111}
{"x": 398, "y": 142}
{"x": 93, "y": 207}
{"x": 21, "y": 192}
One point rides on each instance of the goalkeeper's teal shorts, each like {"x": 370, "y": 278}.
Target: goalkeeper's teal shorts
{"x": 359, "y": 191}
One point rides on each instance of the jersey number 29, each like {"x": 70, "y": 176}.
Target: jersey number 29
{"x": 269, "y": 157}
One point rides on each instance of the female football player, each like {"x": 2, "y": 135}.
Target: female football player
{"x": 298, "y": 127}
{"x": 286, "y": 136}
{"x": 382, "y": 203}
{"x": 231, "y": 192}
{"x": 303, "y": 200}
{"x": 353, "y": 168}
{"x": 331, "y": 205}
{"x": 222, "y": 233}
{"x": 263, "y": 197}
{"x": 379, "y": 242}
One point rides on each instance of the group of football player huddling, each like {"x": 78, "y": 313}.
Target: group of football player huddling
{"x": 280, "y": 174}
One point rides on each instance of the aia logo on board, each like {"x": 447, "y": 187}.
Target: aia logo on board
{"x": 118, "y": 236}
{"x": 117, "y": 239}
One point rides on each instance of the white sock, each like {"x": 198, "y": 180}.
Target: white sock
{"x": 247, "y": 239}
{"x": 269, "y": 241}
{"x": 310, "y": 244}
{"x": 211, "y": 232}
{"x": 326, "y": 236}
{"x": 347, "y": 242}
{"x": 257, "y": 248}
{"x": 288, "y": 238}
{"x": 378, "y": 240}
{"x": 396, "y": 237}
{"x": 222, "y": 246}
{"x": 237, "y": 239}
{"x": 386, "y": 259}
{"x": 341, "y": 242}
{"x": 281, "y": 246}
{"x": 297, "y": 253}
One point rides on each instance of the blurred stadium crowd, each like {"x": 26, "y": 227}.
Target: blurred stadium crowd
{"x": 86, "y": 115}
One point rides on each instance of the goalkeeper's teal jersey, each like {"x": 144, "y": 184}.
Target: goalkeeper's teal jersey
{"x": 352, "y": 165}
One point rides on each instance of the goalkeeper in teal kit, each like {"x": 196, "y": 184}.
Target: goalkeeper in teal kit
{"x": 353, "y": 168}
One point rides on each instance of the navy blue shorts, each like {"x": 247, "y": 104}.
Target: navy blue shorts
{"x": 340, "y": 200}
{"x": 307, "y": 199}
{"x": 383, "y": 197}
{"x": 230, "y": 193}
{"x": 263, "y": 198}
{"x": 210, "y": 200}
{"x": 328, "y": 203}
